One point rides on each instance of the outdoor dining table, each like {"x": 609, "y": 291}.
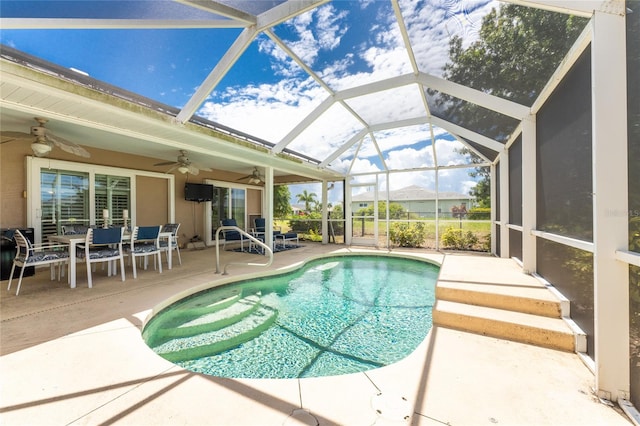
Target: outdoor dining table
{"x": 74, "y": 239}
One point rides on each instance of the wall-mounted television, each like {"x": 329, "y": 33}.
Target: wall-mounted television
{"x": 198, "y": 192}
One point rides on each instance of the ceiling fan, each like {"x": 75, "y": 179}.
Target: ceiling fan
{"x": 44, "y": 140}
{"x": 183, "y": 165}
{"x": 255, "y": 177}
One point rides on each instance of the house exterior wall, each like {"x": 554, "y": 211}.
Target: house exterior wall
{"x": 425, "y": 208}
{"x": 151, "y": 193}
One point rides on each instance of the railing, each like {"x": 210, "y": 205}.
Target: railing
{"x": 250, "y": 237}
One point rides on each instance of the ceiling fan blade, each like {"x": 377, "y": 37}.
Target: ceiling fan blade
{"x": 67, "y": 146}
{"x": 12, "y": 136}
{"x": 201, "y": 168}
{"x": 245, "y": 177}
{"x": 174, "y": 167}
{"x": 167, "y": 163}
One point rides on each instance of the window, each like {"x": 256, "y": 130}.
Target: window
{"x": 113, "y": 193}
{"x": 64, "y": 200}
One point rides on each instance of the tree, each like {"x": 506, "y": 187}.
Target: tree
{"x": 516, "y": 53}
{"x": 308, "y": 199}
{"x": 281, "y": 196}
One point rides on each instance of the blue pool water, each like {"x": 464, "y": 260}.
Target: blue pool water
{"x": 335, "y": 315}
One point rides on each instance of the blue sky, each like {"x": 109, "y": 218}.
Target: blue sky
{"x": 338, "y": 41}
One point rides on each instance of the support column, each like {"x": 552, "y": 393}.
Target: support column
{"x": 325, "y": 213}
{"x": 268, "y": 206}
{"x": 610, "y": 205}
{"x": 504, "y": 203}
{"x": 529, "y": 200}
{"x": 348, "y": 212}
{"x": 494, "y": 206}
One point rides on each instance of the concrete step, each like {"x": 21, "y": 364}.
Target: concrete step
{"x": 528, "y": 299}
{"x": 537, "y": 330}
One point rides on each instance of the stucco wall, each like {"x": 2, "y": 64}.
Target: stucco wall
{"x": 151, "y": 193}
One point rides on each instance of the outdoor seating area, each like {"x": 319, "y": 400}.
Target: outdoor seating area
{"x": 92, "y": 245}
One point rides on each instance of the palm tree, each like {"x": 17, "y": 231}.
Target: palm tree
{"x": 307, "y": 198}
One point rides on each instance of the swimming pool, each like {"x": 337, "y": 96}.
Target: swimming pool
{"x": 334, "y": 315}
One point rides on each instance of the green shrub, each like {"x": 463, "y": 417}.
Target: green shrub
{"x": 457, "y": 239}
{"x": 479, "y": 213}
{"x": 407, "y": 234}
{"x": 305, "y": 224}
{"x": 311, "y": 236}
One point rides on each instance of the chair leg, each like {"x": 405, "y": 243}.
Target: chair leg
{"x": 122, "y": 267}
{"x": 13, "y": 268}
{"x": 90, "y": 284}
{"x": 133, "y": 262}
{"x": 159, "y": 262}
{"x": 20, "y": 280}
{"x": 179, "y": 258}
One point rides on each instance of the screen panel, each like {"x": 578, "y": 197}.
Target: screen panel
{"x": 515, "y": 244}
{"x": 571, "y": 271}
{"x": 515, "y": 182}
{"x": 564, "y": 153}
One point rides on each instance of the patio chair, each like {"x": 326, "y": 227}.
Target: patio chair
{"x": 28, "y": 254}
{"x": 102, "y": 245}
{"x": 260, "y": 226}
{"x": 277, "y": 233}
{"x": 231, "y": 235}
{"x": 145, "y": 242}
{"x": 172, "y": 242}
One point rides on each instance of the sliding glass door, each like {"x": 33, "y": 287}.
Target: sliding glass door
{"x": 68, "y": 193}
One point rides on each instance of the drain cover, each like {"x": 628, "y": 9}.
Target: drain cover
{"x": 393, "y": 408}
{"x": 301, "y": 417}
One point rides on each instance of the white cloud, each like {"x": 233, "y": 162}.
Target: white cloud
{"x": 431, "y": 24}
{"x": 272, "y": 109}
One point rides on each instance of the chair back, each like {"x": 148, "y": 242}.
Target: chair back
{"x": 171, "y": 227}
{"x": 23, "y": 245}
{"x": 260, "y": 224}
{"x": 229, "y": 222}
{"x": 74, "y": 229}
{"x": 230, "y": 234}
{"x": 141, "y": 233}
{"x": 101, "y": 236}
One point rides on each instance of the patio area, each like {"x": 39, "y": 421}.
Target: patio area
{"x": 77, "y": 357}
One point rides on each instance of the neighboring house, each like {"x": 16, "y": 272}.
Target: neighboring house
{"x": 297, "y": 209}
{"x": 418, "y": 200}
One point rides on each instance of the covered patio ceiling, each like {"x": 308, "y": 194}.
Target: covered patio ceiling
{"x": 362, "y": 99}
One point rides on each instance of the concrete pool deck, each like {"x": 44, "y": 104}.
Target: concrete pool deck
{"x": 75, "y": 357}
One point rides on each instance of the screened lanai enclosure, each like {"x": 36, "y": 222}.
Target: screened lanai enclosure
{"x": 527, "y": 109}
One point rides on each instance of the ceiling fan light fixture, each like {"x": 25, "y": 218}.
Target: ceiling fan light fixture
{"x": 183, "y": 169}
{"x": 40, "y": 149}
{"x": 254, "y": 181}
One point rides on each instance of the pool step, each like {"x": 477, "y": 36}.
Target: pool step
{"x": 537, "y": 330}
{"x": 179, "y": 315}
{"x": 212, "y": 319}
{"x": 535, "y": 300}
{"x": 494, "y": 298}
{"x": 214, "y": 342}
